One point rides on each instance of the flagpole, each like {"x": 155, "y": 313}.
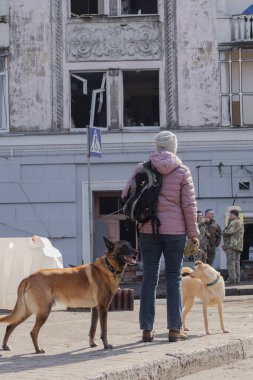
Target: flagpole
{"x": 89, "y": 196}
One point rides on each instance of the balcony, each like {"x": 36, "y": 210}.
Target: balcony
{"x": 235, "y": 29}
{"x": 242, "y": 27}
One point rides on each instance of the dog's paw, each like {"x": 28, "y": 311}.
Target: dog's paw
{"x": 6, "y": 348}
{"x": 226, "y": 331}
{"x": 186, "y": 329}
{"x": 40, "y": 351}
{"x": 93, "y": 344}
{"x": 208, "y": 332}
{"x": 108, "y": 347}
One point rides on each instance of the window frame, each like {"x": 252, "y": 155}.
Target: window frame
{"x": 106, "y": 11}
{"x": 135, "y": 15}
{"x": 120, "y": 96}
{"x": 76, "y": 129}
{"x": 4, "y": 78}
{"x": 230, "y": 94}
{"x": 137, "y": 128}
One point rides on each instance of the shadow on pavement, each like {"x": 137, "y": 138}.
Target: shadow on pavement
{"x": 30, "y": 361}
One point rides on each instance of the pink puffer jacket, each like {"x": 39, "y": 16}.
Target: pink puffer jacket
{"x": 177, "y": 207}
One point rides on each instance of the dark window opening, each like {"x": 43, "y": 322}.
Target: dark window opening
{"x": 109, "y": 205}
{"x": 244, "y": 185}
{"x": 139, "y": 7}
{"x": 141, "y": 98}
{"x": 86, "y": 7}
{"x": 81, "y": 102}
{"x": 247, "y": 242}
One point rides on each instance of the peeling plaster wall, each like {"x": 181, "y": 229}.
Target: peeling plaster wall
{"x": 30, "y": 95}
{"x": 4, "y": 28}
{"x": 198, "y": 76}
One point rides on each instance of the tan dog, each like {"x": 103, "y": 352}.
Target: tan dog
{"x": 206, "y": 284}
{"x": 92, "y": 285}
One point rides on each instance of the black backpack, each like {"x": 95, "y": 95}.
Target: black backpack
{"x": 141, "y": 201}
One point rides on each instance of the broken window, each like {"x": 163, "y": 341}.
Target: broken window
{"x": 86, "y": 7}
{"x": 138, "y": 7}
{"x": 3, "y": 95}
{"x": 244, "y": 185}
{"x": 141, "y": 98}
{"x": 88, "y": 99}
{"x": 236, "y": 85}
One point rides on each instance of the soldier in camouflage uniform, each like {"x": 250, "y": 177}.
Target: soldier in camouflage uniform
{"x": 233, "y": 246}
{"x": 203, "y": 238}
{"x": 214, "y": 234}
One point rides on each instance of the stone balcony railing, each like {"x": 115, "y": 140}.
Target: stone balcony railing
{"x": 242, "y": 28}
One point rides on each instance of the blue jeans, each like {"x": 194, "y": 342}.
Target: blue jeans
{"x": 152, "y": 247}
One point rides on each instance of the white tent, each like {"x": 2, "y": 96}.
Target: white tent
{"x": 19, "y": 257}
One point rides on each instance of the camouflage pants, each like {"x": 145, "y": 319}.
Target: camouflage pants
{"x": 210, "y": 255}
{"x": 233, "y": 265}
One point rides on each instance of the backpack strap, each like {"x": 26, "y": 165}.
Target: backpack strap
{"x": 153, "y": 205}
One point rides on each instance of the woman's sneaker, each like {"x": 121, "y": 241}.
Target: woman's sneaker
{"x": 148, "y": 335}
{"x": 176, "y": 334}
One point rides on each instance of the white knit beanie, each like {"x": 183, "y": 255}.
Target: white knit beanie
{"x": 166, "y": 140}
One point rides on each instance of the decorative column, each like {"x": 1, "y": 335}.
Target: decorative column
{"x": 114, "y": 88}
{"x": 56, "y": 65}
{"x": 171, "y": 64}
{"x": 113, "y": 8}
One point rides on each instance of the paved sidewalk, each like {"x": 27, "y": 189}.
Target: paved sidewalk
{"x": 68, "y": 355}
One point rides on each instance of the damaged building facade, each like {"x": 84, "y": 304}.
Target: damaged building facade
{"x": 182, "y": 65}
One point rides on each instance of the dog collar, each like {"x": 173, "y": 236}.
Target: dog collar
{"x": 214, "y": 282}
{"x": 111, "y": 268}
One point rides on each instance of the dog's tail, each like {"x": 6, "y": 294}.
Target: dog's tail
{"x": 186, "y": 271}
{"x": 20, "y": 310}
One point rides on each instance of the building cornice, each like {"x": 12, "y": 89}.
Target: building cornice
{"x": 124, "y": 142}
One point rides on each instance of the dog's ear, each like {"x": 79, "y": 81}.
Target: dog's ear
{"x": 109, "y": 244}
{"x": 198, "y": 263}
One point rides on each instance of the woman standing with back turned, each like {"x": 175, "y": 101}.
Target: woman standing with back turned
{"x": 177, "y": 212}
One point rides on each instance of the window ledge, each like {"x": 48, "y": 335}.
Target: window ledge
{"x": 134, "y": 18}
{"x": 119, "y": 18}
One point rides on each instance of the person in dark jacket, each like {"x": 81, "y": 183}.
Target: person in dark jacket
{"x": 214, "y": 235}
{"x": 177, "y": 212}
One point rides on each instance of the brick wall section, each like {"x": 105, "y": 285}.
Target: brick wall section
{"x": 133, "y": 274}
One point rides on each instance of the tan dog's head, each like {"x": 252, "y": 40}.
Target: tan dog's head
{"x": 121, "y": 251}
{"x": 201, "y": 270}
{"x": 186, "y": 271}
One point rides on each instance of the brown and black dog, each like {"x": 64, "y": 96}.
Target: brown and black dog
{"x": 92, "y": 285}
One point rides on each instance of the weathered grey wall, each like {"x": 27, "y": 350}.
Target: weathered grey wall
{"x": 29, "y": 90}
{"x": 41, "y": 184}
{"x": 41, "y": 177}
{"x": 38, "y": 196}
{"x": 4, "y": 27}
{"x": 197, "y": 57}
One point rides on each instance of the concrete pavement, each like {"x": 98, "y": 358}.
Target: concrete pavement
{"x": 68, "y": 355}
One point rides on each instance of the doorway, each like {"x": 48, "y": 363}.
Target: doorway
{"x": 247, "y": 253}
{"x": 110, "y": 222}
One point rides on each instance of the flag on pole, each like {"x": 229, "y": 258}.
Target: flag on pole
{"x": 95, "y": 142}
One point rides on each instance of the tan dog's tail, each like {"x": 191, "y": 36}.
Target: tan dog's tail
{"x": 186, "y": 271}
{"x": 20, "y": 310}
